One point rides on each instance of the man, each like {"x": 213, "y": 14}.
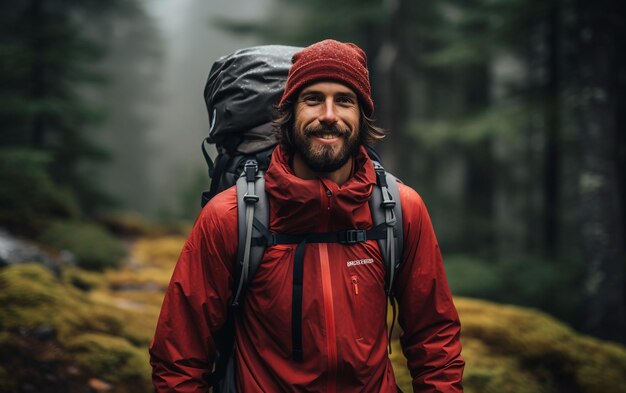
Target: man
{"x": 320, "y": 180}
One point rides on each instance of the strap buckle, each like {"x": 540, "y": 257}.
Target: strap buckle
{"x": 390, "y": 203}
{"x": 250, "y": 169}
{"x": 250, "y": 198}
{"x": 352, "y": 236}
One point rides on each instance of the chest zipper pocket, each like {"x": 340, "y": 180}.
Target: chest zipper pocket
{"x": 357, "y": 305}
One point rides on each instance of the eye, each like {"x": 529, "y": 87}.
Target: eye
{"x": 345, "y": 100}
{"x": 312, "y": 99}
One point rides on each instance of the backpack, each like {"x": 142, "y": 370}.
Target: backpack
{"x": 241, "y": 95}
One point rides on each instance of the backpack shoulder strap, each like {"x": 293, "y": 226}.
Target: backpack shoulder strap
{"x": 386, "y": 210}
{"x": 252, "y": 214}
{"x": 253, "y": 221}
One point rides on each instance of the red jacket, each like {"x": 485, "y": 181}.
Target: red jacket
{"x": 344, "y": 332}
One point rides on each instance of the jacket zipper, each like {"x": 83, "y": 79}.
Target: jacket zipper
{"x": 329, "y": 194}
{"x": 331, "y": 341}
{"x": 329, "y": 308}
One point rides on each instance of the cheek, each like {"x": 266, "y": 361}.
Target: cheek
{"x": 356, "y": 122}
{"x": 301, "y": 121}
{"x": 355, "y": 128}
{"x": 352, "y": 120}
{"x": 303, "y": 114}
{"x": 298, "y": 129}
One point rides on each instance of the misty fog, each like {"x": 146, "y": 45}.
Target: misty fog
{"x": 164, "y": 96}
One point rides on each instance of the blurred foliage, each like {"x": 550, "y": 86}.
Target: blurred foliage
{"x": 301, "y": 24}
{"x": 29, "y": 196}
{"x": 47, "y": 59}
{"x": 189, "y": 197}
{"x": 93, "y": 247}
{"x": 503, "y": 121}
{"x": 128, "y": 224}
{"x": 131, "y": 98}
{"x": 521, "y": 280}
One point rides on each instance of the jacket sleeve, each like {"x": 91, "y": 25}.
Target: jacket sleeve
{"x": 196, "y": 302}
{"x": 429, "y": 320}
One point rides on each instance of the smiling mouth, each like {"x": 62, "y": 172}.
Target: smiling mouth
{"x": 326, "y": 135}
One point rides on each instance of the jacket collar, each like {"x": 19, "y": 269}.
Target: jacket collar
{"x": 302, "y": 206}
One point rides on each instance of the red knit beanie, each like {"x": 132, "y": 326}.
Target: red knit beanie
{"x": 332, "y": 61}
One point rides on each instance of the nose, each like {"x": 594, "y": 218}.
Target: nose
{"x": 328, "y": 115}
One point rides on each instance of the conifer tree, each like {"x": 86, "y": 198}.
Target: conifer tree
{"x": 47, "y": 58}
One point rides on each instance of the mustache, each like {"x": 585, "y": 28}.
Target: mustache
{"x": 323, "y": 129}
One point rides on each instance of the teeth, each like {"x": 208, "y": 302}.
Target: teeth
{"x": 325, "y": 135}
{"x": 328, "y": 135}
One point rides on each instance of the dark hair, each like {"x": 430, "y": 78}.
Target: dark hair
{"x": 369, "y": 133}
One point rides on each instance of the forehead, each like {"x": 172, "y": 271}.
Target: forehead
{"x": 328, "y": 87}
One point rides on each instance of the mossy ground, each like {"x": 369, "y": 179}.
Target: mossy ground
{"x": 545, "y": 352}
{"x": 84, "y": 330}
{"x": 62, "y": 333}
{"x": 509, "y": 349}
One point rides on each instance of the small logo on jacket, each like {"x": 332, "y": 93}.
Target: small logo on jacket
{"x": 360, "y": 262}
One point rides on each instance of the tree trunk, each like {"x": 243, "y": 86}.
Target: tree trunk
{"x": 600, "y": 202}
{"x": 479, "y": 181}
{"x": 392, "y": 89}
{"x": 35, "y": 21}
{"x": 552, "y": 152}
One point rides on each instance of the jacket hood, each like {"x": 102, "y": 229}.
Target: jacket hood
{"x": 298, "y": 205}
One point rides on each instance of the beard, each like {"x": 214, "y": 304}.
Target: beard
{"x": 322, "y": 158}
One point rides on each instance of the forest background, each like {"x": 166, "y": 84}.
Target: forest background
{"x": 507, "y": 116}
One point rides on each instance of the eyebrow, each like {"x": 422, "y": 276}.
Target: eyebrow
{"x": 348, "y": 94}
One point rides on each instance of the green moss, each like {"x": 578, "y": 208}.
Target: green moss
{"x": 42, "y": 315}
{"x": 26, "y": 292}
{"x": 488, "y": 371}
{"x": 598, "y": 366}
{"x": 537, "y": 346}
{"x": 31, "y": 297}
{"x": 94, "y": 248}
{"x": 112, "y": 359}
{"x": 509, "y": 349}
{"x": 403, "y": 378}
{"x": 148, "y": 278}
{"x": 81, "y": 279}
{"x": 160, "y": 252}
{"x": 132, "y": 319}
